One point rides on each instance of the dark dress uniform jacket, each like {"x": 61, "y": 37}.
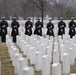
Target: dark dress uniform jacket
{"x": 61, "y": 26}
{"x": 50, "y": 28}
{"x": 3, "y": 27}
{"x": 72, "y": 26}
{"x": 38, "y": 28}
{"x": 15, "y": 26}
{"x": 28, "y": 28}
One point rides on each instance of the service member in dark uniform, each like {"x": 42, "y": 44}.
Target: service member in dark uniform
{"x": 72, "y": 26}
{"x": 28, "y": 27}
{"x": 15, "y": 26}
{"x": 3, "y": 26}
{"x": 38, "y": 27}
{"x": 50, "y": 28}
{"x": 61, "y": 27}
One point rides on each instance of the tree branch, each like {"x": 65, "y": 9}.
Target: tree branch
{"x": 35, "y": 4}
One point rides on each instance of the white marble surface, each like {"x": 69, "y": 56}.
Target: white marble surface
{"x": 72, "y": 74}
{"x": 66, "y": 64}
{"x": 45, "y": 65}
{"x": 17, "y": 56}
{"x": 38, "y": 61}
{"x": 28, "y": 71}
{"x": 56, "y": 69}
{"x": 56, "y": 56}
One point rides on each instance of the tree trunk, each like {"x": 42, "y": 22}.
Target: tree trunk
{"x": 33, "y": 13}
{"x": 42, "y": 15}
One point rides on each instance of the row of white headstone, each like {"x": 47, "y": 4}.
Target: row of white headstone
{"x": 35, "y": 55}
{"x": 42, "y": 51}
{"x": 20, "y": 63}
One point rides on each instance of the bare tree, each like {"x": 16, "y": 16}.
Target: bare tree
{"x": 41, "y": 5}
{"x": 25, "y": 8}
{"x": 60, "y": 7}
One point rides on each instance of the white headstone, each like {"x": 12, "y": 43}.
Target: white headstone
{"x": 56, "y": 69}
{"x": 72, "y": 74}
{"x": 28, "y": 71}
{"x": 17, "y": 56}
{"x": 14, "y": 51}
{"x": 67, "y": 45}
{"x": 49, "y": 53}
{"x": 56, "y": 46}
{"x": 45, "y": 65}
{"x": 56, "y": 56}
{"x": 32, "y": 55}
{"x": 62, "y": 51}
{"x": 38, "y": 61}
{"x": 22, "y": 63}
{"x": 75, "y": 50}
{"x": 28, "y": 51}
{"x": 66, "y": 64}
{"x": 72, "y": 59}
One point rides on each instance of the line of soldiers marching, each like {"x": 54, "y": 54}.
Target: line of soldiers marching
{"x": 38, "y": 28}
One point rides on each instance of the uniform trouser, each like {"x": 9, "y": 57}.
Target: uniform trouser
{"x": 3, "y": 38}
{"x": 0, "y": 33}
{"x": 71, "y": 36}
{"x": 14, "y": 38}
{"x": 71, "y": 33}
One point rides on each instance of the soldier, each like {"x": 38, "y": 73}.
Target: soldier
{"x": 38, "y": 27}
{"x": 3, "y": 26}
{"x": 15, "y": 25}
{"x": 50, "y": 28}
{"x": 28, "y": 27}
{"x": 61, "y": 27}
{"x": 72, "y": 26}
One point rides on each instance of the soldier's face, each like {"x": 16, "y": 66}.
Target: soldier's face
{"x": 38, "y": 19}
{"x": 3, "y": 19}
{"x": 50, "y": 20}
{"x": 72, "y": 19}
{"x": 61, "y": 19}
{"x": 28, "y": 19}
{"x": 14, "y": 19}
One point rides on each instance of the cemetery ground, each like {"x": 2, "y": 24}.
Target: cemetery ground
{"x": 6, "y": 64}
